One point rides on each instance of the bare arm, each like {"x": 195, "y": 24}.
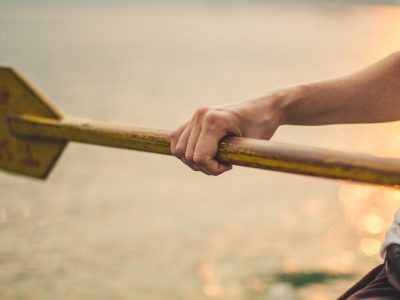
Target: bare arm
{"x": 370, "y": 95}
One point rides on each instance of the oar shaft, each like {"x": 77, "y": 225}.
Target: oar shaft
{"x": 239, "y": 151}
{"x": 93, "y": 132}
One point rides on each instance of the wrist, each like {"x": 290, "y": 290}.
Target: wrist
{"x": 286, "y": 101}
{"x": 260, "y": 117}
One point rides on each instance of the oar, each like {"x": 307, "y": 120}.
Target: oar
{"x": 33, "y": 134}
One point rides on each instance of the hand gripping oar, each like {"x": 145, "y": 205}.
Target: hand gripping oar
{"x": 33, "y": 135}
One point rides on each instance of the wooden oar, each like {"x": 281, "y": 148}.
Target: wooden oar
{"x": 33, "y": 135}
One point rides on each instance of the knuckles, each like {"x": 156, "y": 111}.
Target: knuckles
{"x": 200, "y": 112}
{"x": 213, "y": 121}
{"x": 216, "y": 120}
{"x": 211, "y": 118}
{"x": 199, "y": 159}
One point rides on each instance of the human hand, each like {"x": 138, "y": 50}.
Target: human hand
{"x": 196, "y": 141}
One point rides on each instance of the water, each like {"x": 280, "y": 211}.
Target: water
{"x": 115, "y": 224}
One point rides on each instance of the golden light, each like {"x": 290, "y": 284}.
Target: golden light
{"x": 370, "y": 247}
{"x": 390, "y": 42}
{"x": 212, "y": 290}
{"x": 342, "y": 262}
{"x": 371, "y": 223}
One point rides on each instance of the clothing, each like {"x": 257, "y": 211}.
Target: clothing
{"x": 382, "y": 283}
{"x": 392, "y": 235}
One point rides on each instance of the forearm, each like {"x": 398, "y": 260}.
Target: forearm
{"x": 368, "y": 96}
{"x": 371, "y": 95}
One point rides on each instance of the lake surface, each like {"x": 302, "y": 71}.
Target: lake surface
{"x": 116, "y": 224}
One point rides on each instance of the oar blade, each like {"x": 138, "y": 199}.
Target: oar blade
{"x": 31, "y": 157}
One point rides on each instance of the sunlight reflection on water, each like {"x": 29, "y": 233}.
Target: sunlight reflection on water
{"x": 115, "y": 224}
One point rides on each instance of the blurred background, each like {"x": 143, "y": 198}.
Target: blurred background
{"x": 116, "y": 224}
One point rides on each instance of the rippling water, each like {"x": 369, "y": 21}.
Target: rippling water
{"x": 114, "y": 224}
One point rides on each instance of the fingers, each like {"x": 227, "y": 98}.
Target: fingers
{"x": 192, "y": 141}
{"x": 175, "y": 135}
{"x": 206, "y": 150}
{"x": 196, "y": 142}
{"x": 190, "y": 147}
{"x": 181, "y": 145}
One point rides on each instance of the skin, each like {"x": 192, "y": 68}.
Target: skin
{"x": 370, "y": 95}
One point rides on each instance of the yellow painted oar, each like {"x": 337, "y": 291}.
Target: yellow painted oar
{"x": 33, "y": 135}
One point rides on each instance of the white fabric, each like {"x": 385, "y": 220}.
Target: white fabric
{"x": 392, "y": 235}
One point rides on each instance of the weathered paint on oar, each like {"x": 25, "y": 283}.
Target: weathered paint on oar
{"x": 92, "y": 132}
{"x": 311, "y": 161}
{"x": 29, "y": 157}
{"x": 33, "y": 135}
{"x": 239, "y": 151}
